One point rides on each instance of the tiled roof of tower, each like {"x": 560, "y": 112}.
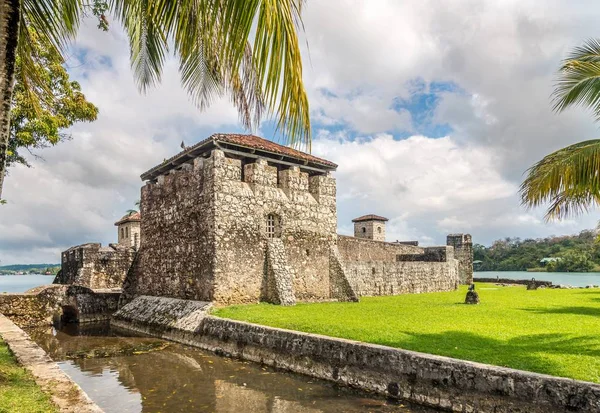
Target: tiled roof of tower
{"x": 249, "y": 145}
{"x": 370, "y": 217}
{"x": 134, "y": 217}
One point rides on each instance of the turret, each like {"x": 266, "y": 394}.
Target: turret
{"x": 370, "y": 227}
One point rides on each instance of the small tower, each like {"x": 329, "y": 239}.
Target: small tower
{"x": 463, "y": 252}
{"x": 370, "y": 227}
{"x": 128, "y": 230}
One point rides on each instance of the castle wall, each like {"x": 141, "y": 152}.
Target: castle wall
{"x": 94, "y": 266}
{"x": 305, "y": 212}
{"x": 359, "y": 249}
{"x": 380, "y": 268}
{"x": 463, "y": 251}
{"x": 175, "y": 258}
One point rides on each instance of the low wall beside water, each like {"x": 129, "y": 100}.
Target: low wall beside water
{"x": 47, "y": 304}
{"x": 539, "y": 283}
{"x": 440, "y": 382}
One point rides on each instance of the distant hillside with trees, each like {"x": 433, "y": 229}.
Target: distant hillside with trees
{"x": 571, "y": 253}
{"x": 29, "y": 269}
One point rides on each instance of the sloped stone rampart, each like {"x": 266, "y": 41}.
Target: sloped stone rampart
{"x": 340, "y": 286}
{"x": 162, "y": 313}
{"x": 280, "y": 277}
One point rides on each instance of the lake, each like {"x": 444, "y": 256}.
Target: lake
{"x": 576, "y": 279}
{"x": 22, "y": 283}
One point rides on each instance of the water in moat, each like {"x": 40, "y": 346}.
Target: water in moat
{"x": 124, "y": 373}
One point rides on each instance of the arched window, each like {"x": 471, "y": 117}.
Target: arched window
{"x": 126, "y": 232}
{"x": 122, "y": 233}
{"x": 379, "y": 230}
{"x": 364, "y": 230}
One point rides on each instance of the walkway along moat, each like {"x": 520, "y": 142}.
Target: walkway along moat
{"x": 125, "y": 373}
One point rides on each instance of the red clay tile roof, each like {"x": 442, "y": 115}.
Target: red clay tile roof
{"x": 245, "y": 141}
{"x": 256, "y": 142}
{"x": 136, "y": 216}
{"x": 370, "y": 217}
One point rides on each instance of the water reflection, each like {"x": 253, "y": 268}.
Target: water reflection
{"x": 125, "y": 373}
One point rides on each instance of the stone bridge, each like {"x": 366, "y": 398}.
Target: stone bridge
{"x": 46, "y": 305}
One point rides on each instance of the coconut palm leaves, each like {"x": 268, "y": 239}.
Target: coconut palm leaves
{"x": 570, "y": 178}
{"x": 247, "y": 49}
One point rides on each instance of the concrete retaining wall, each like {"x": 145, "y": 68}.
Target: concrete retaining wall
{"x": 445, "y": 383}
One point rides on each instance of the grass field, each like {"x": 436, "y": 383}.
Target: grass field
{"x": 18, "y": 391}
{"x": 546, "y": 331}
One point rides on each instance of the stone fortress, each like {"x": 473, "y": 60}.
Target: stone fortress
{"x": 240, "y": 219}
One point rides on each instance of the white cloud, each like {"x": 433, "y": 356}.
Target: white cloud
{"x": 502, "y": 57}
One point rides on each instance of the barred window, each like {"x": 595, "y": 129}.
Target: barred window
{"x": 271, "y": 221}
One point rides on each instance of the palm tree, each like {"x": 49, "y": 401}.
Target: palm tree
{"x": 570, "y": 178}
{"x": 246, "y": 49}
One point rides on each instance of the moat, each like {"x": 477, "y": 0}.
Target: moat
{"x": 125, "y": 373}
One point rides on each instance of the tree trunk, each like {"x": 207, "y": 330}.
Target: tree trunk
{"x": 9, "y": 35}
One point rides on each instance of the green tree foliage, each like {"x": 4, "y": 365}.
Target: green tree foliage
{"x": 569, "y": 179}
{"x": 39, "y": 114}
{"x": 576, "y": 253}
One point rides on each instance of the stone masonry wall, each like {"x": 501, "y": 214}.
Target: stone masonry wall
{"x": 176, "y": 258}
{"x": 463, "y": 251}
{"x": 45, "y": 304}
{"x": 374, "y": 230}
{"x": 205, "y": 229}
{"x": 305, "y": 215}
{"x": 279, "y": 288}
{"x": 94, "y": 266}
{"x": 441, "y": 382}
{"x": 378, "y": 268}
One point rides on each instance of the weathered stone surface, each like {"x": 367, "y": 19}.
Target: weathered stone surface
{"x": 94, "y": 266}
{"x": 380, "y": 268}
{"x": 442, "y": 382}
{"x": 280, "y": 276}
{"x": 47, "y": 304}
{"x": 162, "y": 313}
{"x": 341, "y": 288}
{"x": 65, "y": 393}
{"x": 499, "y": 280}
{"x": 463, "y": 252}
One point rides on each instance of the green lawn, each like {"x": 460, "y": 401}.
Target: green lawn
{"x": 18, "y": 391}
{"x": 547, "y": 331}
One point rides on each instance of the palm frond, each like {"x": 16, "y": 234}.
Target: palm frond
{"x": 568, "y": 178}
{"x": 56, "y": 20}
{"x": 579, "y": 79}
{"x": 246, "y": 48}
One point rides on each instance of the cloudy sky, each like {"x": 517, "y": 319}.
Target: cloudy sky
{"x": 433, "y": 110}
